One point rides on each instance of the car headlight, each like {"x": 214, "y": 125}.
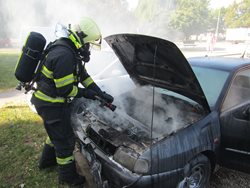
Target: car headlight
{"x": 126, "y": 157}
{"x": 129, "y": 159}
{"x": 141, "y": 166}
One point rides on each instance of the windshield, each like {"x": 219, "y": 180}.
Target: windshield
{"x": 211, "y": 81}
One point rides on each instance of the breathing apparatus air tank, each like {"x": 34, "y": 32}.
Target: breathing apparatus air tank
{"x": 30, "y": 57}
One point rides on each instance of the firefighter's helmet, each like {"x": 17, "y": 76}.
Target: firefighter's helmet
{"x": 86, "y": 31}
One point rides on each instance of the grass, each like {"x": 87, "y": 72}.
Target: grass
{"x": 22, "y": 136}
{"x": 21, "y": 140}
{"x": 8, "y": 59}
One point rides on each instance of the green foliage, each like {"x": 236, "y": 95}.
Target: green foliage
{"x": 153, "y": 17}
{"x": 146, "y": 10}
{"x": 7, "y": 66}
{"x": 21, "y": 139}
{"x": 191, "y": 17}
{"x": 238, "y": 14}
{"x": 215, "y": 15}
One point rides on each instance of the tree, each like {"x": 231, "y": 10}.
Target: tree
{"x": 217, "y": 20}
{"x": 153, "y": 17}
{"x": 191, "y": 17}
{"x": 146, "y": 10}
{"x": 111, "y": 15}
{"x": 238, "y": 14}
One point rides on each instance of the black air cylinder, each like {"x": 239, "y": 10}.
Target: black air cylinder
{"x": 30, "y": 56}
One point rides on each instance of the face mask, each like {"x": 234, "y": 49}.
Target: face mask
{"x": 84, "y": 52}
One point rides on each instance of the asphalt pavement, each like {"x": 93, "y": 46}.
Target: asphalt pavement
{"x": 220, "y": 49}
{"x": 11, "y": 97}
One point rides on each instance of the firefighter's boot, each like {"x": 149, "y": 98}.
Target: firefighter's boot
{"x": 68, "y": 175}
{"x": 48, "y": 157}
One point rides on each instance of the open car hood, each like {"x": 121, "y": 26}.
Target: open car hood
{"x": 154, "y": 61}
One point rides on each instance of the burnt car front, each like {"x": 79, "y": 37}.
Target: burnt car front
{"x": 161, "y": 123}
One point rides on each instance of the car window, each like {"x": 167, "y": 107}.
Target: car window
{"x": 211, "y": 81}
{"x": 239, "y": 91}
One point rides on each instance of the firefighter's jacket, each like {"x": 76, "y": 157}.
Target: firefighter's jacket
{"x": 61, "y": 72}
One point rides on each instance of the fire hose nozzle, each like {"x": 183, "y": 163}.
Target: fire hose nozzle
{"x": 104, "y": 103}
{"x": 111, "y": 106}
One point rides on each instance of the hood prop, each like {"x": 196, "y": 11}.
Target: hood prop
{"x": 152, "y": 124}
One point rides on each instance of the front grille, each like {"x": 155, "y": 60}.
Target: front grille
{"x": 101, "y": 142}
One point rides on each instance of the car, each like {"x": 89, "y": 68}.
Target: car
{"x": 175, "y": 118}
{"x": 5, "y": 42}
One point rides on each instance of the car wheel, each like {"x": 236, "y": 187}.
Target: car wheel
{"x": 197, "y": 173}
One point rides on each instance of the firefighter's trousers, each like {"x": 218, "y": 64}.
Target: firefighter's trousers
{"x": 58, "y": 126}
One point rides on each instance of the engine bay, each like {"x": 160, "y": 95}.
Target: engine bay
{"x": 133, "y": 124}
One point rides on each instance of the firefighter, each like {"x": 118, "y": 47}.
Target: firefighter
{"x": 57, "y": 84}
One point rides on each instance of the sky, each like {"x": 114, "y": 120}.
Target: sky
{"x": 214, "y": 3}
{"x": 132, "y": 3}
{"x": 220, "y": 3}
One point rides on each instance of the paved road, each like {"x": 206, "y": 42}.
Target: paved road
{"x": 220, "y": 49}
{"x": 12, "y": 96}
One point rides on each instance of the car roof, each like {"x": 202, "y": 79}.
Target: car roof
{"x": 221, "y": 63}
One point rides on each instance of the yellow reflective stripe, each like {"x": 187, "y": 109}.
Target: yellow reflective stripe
{"x": 64, "y": 161}
{"x": 73, "y": 39}
{"x": 74, "y": 92}
{"x": 87, "y": 82}
{"x": 47, "y": 72}
{"x": 42, "y": 96}
{"x": 64, "y": 81}
{"x": 48, "y": 142}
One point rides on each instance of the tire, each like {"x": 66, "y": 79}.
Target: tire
{"x": 196, "y": 173}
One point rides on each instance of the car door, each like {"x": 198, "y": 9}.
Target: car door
{"x": 235, "y": 123}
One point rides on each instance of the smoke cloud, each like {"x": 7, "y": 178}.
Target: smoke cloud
{"x": 134, "y": 112}
{"x": 19, "y": 17}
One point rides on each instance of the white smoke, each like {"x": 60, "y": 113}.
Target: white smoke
{"x": 134, "y": 111}
{"x": 36, "y": 14}
{"x": 168, "y": 115}
{"x": 114, "y": 16}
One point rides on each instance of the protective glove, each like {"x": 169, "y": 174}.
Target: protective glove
{"x": 89, "y": 94}
{"x": 107, "y": 97}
